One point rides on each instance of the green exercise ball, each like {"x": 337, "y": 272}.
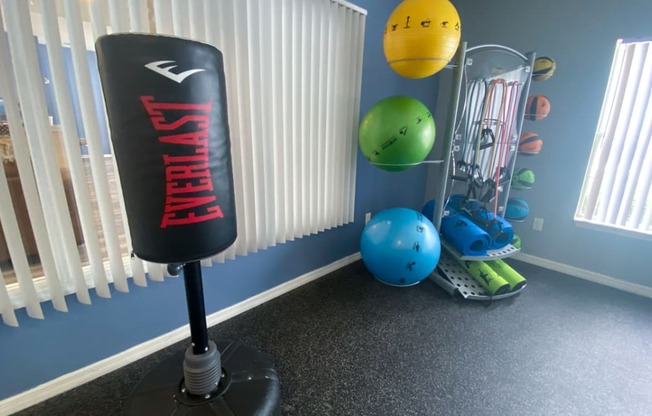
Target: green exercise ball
{"x": 397, "y": 133}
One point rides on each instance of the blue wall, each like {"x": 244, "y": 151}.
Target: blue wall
{"x": 39, "y": 351}
{"x": 581, "y": 36}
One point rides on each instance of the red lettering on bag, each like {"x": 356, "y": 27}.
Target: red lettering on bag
{"x": 188, "y": 184}
{"x": 192, "y": 218}
{"x": 173, "y": 188}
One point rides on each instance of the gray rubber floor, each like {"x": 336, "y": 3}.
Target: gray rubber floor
{"x": 349, "y": 345}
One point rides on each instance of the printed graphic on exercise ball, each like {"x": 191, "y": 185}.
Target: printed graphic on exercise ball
{"x": 421, "y": 37}
{"x": 522, "y": 179}
{"x": 543, "y": 69}
{"x": 537, "y": 107}
{"x": 400, "y": 247}
{"x": 397, "y": 133}
{"x": 530, "y": 144}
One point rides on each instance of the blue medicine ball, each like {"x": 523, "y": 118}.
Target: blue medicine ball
{"x": 517, "y": 209}
{"x": 400, "y": 246}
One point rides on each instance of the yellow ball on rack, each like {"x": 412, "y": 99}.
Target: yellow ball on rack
{"x": 421, "y": 37}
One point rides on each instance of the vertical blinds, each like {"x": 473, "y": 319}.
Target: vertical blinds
{"x": 293, "y": 71}
{"x": 617, "y": 189}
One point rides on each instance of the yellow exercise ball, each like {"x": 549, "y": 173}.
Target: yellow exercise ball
{"x": 421, "y": 37}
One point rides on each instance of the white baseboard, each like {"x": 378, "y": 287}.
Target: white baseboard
{"x": 77, "y": 378}
{"x": 592, "y": 276}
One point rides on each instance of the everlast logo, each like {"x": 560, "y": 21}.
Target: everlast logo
{"x": 187, "y": 174}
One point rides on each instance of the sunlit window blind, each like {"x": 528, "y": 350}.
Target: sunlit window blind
{"x": 617, "y": 190}
{"x": 293, "y": 71}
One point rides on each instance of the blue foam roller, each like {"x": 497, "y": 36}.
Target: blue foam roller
{"x": 465, "y": 236}
{"x": 456, "y": 203}
{"x": 428, "y": 209}
{"x": 500, "y": 231}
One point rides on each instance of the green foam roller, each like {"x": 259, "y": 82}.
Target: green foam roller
{"x": 486, "y": 277}
{"x": 514, "y": 278}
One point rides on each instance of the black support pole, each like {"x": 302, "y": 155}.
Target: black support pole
{"x": 196, "y": 310}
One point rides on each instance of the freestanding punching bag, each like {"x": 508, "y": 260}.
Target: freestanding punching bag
{"x": 166, "y": 103}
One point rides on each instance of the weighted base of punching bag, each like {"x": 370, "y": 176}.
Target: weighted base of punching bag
{"x": 249, "y": 386}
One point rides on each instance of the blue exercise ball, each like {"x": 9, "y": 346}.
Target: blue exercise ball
{"x": 400, "y": 246}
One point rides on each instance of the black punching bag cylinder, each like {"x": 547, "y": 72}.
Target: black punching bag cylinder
{"x": 166, "y": 103}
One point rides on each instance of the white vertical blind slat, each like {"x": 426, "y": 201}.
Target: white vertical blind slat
{"x": 295, "y": 160}
{"x": 17, "y": 251}
{"x": 180, "y": 18}
{"x": 336, "y": 167}
{"x": 313, "y": 115}
{"x": 244, "y": 128}
{"x": 39, "y": 134}
{"x": 138, "y": 16}
{"x": 304, "y": 119}
{"x": 197, "y": 26}
{"x": 6, "y": 308}
{"x": 163, "y": 17}
{"x": 357, "y": 87}
{"x": 347, "y": 62}
{"x": 155, "y": 271}
{"x": 343, "y": 113}
{"x": 329, "y": 168}
{"x": 323, "y": 111}
{"x": 349, "y": 138}
{"x": 98, "y": 22}
{"x": 342, "y": 106}
{"x": 335, "y": 161}
{"x": 92, "y": 133}
{"x": 133, "y": 7}
{"x": 256, "y": 156}
{"x": 27, "y": 179}
{"x": 72, "y": 147}
{"x": 137, "y": 268}
{"x": 266, "y": 151}
{"x": 276, "y": 114}
{"x": 287, "y": 110}
{"x": 228, "y": 33}
{"x": 119, "y": 17}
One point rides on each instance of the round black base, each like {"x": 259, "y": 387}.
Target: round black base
{"x": 249, "y": 386}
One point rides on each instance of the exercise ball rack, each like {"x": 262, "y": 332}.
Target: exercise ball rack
{"x": 477, "y": 64}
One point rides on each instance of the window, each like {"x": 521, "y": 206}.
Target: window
{"x": 293, "y": 74}
{"x": 616, "y": 193}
